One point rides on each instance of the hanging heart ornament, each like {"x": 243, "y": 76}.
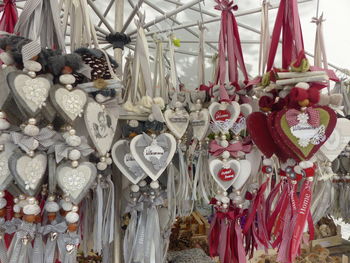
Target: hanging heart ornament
{"x": 200, "y": 123}
{"x": 225, "y": 173}
{"x": 177, "y": 121}
{"x": 304, "y": 132}
{"x": 28, "y": 171}
{"x": 5, "y": 174}
{"x": 125, "y": 161}
{"x": 338, "y": 140}
{"x": 101, "y": 126}
{"x": 224, "y": 115}
{"x": 76, "y": 181}
{"x": 154, "y": 153}
{"x": 29, "y": 93}
{"x": 69, "y": 103}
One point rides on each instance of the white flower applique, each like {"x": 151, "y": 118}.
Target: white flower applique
{"x": 34, "y": 91}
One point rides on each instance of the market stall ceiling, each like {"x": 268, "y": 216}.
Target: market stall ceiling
{"x": 336, "y": 39}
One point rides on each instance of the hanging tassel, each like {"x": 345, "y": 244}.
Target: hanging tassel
{"x": 99, "y": 206}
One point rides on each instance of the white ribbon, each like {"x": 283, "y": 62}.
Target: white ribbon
{"x": 159, "y": 76}
{"x": 201, "y": 58}
{"x": 264, "y": 37}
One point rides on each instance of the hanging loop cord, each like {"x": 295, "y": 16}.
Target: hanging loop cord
{"x": 230, "y": 46}
{"x": 292, "y": 40}
{"x": 264, "y": 37}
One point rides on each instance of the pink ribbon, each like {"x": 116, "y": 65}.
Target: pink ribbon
{"x": 233, "y": 149}
{"x": 230, "y": 44}
{"x": 313, "y": 117}
{"x": 9, "y": 17}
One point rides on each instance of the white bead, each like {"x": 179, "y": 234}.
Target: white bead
{"x": 32, "y": 65}
{"x": 178, "y": 104}
{"x": 218, "y": 203}
{"x": 135, "y": 188}
{"x": 75, "y": 164}
{"x": 225, "y": 155}
{"x": 225, "y": 193}
{"x": 133, "y": 123}
{"x": 109, "y": 160}
{"x": 302, "y": 85}
{"x": 2, "y": 115}
{"x": 103, "y": 159}
{"x": 224, "y": 143}
{"x": 74, "y": 155}
{"x": 32, "y": 74}
{"x": 31, "y": 130}
{"x": 73, "y": 140}
{"x": 101, "y": 166}
{"x": 66, "y": 79}
{"x": 32, "y": 121}
{"x": 225, "y": 206}
{"x": 4, "y": 124}
{"x": 2, "y": 194}
{"x": 75, "y": 208}
{"x": 154, "y": 185}
{"x": 31, "y": 153}
{"x": 151, "y": 117}
{"x": 223, "y": 137}
{"x": 3, "y": 66}
{"x": 142, "y": 183}
{"x": 72, "y": 132}
{"x": 2, "y": 147}
{"x": 69, "y": 87}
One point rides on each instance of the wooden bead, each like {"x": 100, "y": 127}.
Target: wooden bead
{"x": 51, "y": 216}
{"x": 73, "y": 227}
{"x": 38, "y": 219}
{"x": 132, "y": 135}
{"x": 17, "y": 215}
{"x": 63, "y": 213}
{"x": 3, "y": 212}
{"x": 29, "y": 218}
{"x": 304, "y": 103}
{"x": 265, "y": 109}
{"x": 67, "y": 70}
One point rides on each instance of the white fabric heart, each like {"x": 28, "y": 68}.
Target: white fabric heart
{"x": 224, "y": 173}
{"x": 177, "y": 121}
{"x": 32, "y": 92}
{"x": 101, "y": 126}
{"x": 70, "y": 104}
{"x": 28, "y": 171}
{"x": 76, "y": 181}
{"x": 126, "y": 163}
{"x": 338, "y": 140}
{"x": 147, "y": 153}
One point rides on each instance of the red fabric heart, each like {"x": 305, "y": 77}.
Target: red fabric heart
{"x": 282, "y": 151}
{"x": 259, "y": 132}
{"x": 293, "y": 147}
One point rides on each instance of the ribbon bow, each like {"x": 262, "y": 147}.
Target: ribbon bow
{"x": 318, "y": 20}
{"x": 233, "y": 148}
{"x": 134, "y": 206}
{"x": 46, "y": 138}
{"x": 62, "y": 149}
{"x": 57, "y": 228}
{"x": 224, "y": 5}
{"x": 310, "y": 116}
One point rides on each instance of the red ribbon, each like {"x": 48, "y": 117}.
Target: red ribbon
{"x": 230, "y": 45}
{"x": 233, "y": 149}
{"x": 9, "y": 17}
{"x": 313, "y": 117}
{"x": 288, "y": 21}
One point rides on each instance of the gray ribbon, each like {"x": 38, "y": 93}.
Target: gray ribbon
{"x": 98, "y": 218}
{"x": 46, "y": 138}
{"x": 40, "y": 20}
{"x": 53, "y": 231}
{"x": 3, "y": 251}
{"x": 22, "y": 248}
{"x": 38, "y": 247}
{"x": 30, "y": 50}
{"x": 67, "y": 245}
{"x": 62, "y": 149}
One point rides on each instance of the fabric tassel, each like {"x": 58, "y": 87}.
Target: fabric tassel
{"x": 52, "y": 231}
{"x": 98, "y": 218}
{"x": 38, "y": 246}
{"x": 3, "y": 250}
{"x": 68, "y": 244}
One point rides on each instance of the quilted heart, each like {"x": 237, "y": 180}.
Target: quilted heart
{"x": 5, "y": 174}
{"x": 338, "y": 140}
{"x": 153, "y": 155}
{"x": 30, "y": 93}
{"x": 28, "y": 171}
{"x": 69, "y": 104}
{"x": 224, "y": 173}
{"x": 302, "y": 138}
{"x": 200, "y": 123}
{"x": 224, "y": 115}
{"x": 101, "y": 126}
{"x": 177, "y": 121}
{"x": 126, "y": 163}
{"x": 76, "y": 182}
{"x": 259, "y": 132}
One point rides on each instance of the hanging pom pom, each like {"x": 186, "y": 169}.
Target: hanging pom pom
{"x": 118, "y": 40}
